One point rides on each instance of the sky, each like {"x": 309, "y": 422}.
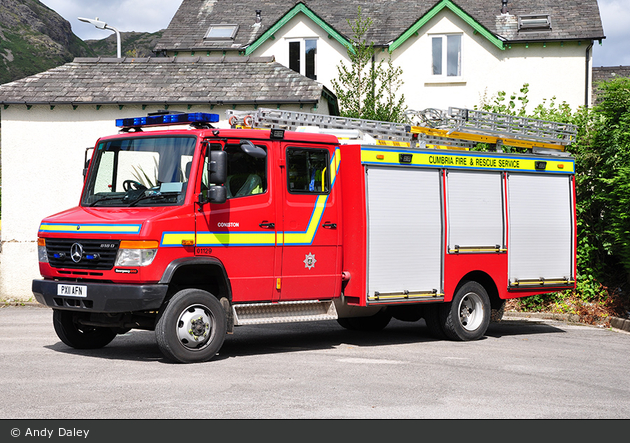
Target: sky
{"x": 153, "y": 15}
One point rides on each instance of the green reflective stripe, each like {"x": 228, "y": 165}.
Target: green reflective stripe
{"x": 457, "y": 11}
{"x": 300, "y": 7}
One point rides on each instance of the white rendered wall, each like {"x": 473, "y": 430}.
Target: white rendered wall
{"x": 330, "y": 52}
{"x": 551, "y": 71}
{"x": 554, "y": 70}
{"x": 42, "y": 173}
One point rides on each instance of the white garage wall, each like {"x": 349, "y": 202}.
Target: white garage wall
{"x": 43, "y": 153}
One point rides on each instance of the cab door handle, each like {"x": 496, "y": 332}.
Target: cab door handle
{"x": 267, "y": 225}
{"x": 329, "y": 225}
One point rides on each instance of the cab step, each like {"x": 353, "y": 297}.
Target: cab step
{"x": 283, "y": 312}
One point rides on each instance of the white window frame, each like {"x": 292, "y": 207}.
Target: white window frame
{"x": 232, "y": 28}
{"x": 302, "y": 42}
{"x": 444, "y": 56}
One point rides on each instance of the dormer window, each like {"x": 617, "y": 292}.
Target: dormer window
{"x": 538, "y": 22}
{"x": 221, "y": 32}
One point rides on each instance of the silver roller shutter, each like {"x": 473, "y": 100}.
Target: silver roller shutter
{"x": 404, "y": 230}
{"x": 475, "y": 210}
{"x": 540, "y": 230}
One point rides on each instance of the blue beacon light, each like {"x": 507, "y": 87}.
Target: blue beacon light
{"x": 167, "y": 119}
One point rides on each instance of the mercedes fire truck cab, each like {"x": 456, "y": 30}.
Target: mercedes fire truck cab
{"x": 191, "y": 230}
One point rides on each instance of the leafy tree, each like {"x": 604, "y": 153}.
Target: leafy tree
{"x": 368, "y": 89}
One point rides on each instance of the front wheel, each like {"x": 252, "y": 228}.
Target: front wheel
{"x": 467, "y": 316}
{"x": 191, "y": 327}
{"x": 76, "y": 335}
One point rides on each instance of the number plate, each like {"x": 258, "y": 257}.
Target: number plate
{"x": 72, "y": 290}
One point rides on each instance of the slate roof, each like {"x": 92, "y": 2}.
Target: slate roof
{"x": 604, "y": 73}
{"x": 161, "y": 80}
{"x": 570, "y": 19}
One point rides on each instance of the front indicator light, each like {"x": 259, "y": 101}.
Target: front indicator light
{"x": 136, "y": 253}
{"x": 42, "y": 254}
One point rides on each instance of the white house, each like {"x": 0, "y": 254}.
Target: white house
{"x": 452, "y": 52}
{"x": 49, "y": 119}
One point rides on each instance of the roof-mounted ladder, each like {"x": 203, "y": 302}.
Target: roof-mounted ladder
{"x": 456, "y": 128}
{"x": 494, "y": 128}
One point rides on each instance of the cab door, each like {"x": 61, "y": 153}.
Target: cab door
{"x": 241, "y": 232}
{"x": 311, "y": 232}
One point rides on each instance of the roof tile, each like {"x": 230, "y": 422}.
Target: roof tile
{"x": 570, "y": 19}
{"x": 161, "y": 79}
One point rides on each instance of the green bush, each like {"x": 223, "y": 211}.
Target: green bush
{"x": 602, "y": 155}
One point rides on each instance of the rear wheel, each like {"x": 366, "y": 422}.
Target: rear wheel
{"x": 70, "y": 330}
{"x": 432, "y": 319}
{"x": 191, "y": 327}
{"x": 466, "y": 317}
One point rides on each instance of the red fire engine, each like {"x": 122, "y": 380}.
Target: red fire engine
{"x": 192, "y": 231}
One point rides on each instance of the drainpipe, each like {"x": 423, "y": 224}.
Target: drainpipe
{"x": 586, "y": 74}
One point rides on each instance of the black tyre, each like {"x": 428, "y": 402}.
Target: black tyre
{"x": 74, "y": 334}
{"x": 372, "y": 323}
{"x": 191, "y": 327}
{"x": 496, "y": 314}
{"x": 466, "y": 317}
{"x": 432, "y": 319}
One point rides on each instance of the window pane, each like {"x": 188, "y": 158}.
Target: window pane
{"x": 436, "y": 45}
{"x": 310, "y": 47}
{"x": 453, "y": 55}
{"x": 221, "y": 31}
{"x": 294, "y": 56}
{"x": 150, "y": 171}
{"x": 246, "y": 175}
{"x": 308, "y": 170}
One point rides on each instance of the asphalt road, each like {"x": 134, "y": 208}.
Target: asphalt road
{"x": 522, "y": 369}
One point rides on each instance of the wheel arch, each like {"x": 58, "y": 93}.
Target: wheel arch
{"x": 488, "y": 284}
{"x": 204, "y": 273}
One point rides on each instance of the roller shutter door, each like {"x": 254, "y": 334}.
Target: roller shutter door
{"x": 405, "y": 234}
{"x": 475, "y": 211}
{"x": 540, "y": 230}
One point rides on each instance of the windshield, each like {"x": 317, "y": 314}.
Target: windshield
{"x": 140, "y": 171}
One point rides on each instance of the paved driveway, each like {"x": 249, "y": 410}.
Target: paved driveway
{"x": 522, "y": 369}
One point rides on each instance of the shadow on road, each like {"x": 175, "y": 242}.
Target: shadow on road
{"x": 292, "y": 337}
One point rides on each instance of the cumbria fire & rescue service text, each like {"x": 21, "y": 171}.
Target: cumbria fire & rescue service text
{"x": 61, "y": 432}
{"x": 473, "y": 161}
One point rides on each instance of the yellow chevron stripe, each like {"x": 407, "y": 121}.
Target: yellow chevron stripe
{"x": 261, "y": 238}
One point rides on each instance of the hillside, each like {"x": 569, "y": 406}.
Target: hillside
{"x": 133, "y": 44}
{"x": 34, "y": 38}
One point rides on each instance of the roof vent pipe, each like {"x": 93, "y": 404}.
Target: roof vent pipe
{"x": 504, "y": 9}
{"x": 258, "y": 17}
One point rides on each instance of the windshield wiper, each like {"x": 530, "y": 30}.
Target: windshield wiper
{"x": 157, "y": 195}
{"x": 105, "y": 199}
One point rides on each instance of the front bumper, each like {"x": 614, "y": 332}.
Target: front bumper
{"x": 101, "y": 297}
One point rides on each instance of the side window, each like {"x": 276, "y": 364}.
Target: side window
{"x": 246, "y": 175}
{"x": 308, "y": 170}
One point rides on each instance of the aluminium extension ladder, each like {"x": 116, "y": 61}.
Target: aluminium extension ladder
{"x": 456, "y": 128}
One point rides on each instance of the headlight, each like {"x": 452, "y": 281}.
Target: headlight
{"x": 136, "y": 253}
{"x": 42, "y": 254}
